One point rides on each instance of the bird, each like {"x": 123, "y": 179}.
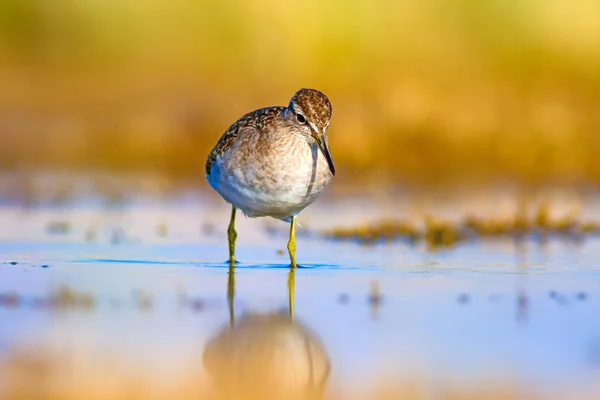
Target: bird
{"x": 274, "y": 162}
{"x": 268, "y": 356}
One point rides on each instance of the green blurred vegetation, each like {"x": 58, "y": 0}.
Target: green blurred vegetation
{"x": 439, "y": 234}
{"x": 423, "y": 92}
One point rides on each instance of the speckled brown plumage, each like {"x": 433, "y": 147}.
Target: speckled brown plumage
{"x": 314, "y": 104}
{"x": 258, "y": 119}
{"x": 275, "y": 161}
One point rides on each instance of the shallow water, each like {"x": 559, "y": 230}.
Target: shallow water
{"x": 158, "y": 284}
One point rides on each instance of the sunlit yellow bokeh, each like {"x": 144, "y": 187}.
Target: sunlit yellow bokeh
{"x": 422, "y": 91}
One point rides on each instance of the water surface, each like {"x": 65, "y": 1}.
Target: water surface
{"x": 158, "y": 284}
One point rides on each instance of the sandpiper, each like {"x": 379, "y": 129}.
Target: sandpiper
{"x": 274, "y": 162}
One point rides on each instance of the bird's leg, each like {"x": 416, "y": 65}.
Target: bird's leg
{"x": 231, "y": 294}
{"x": 232, "y": 235}
{"x": 292, "y": 275}
{"x": 291, "y": 284}
{"x": 292, "y": 242}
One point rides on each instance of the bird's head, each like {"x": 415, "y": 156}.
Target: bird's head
{"x": 310, "y": 110}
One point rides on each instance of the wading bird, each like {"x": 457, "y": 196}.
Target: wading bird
{"x": 274, "y": 162}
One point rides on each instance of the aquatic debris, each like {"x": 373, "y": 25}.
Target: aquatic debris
{"x": 9, "y": 300}
{"x": 343, "y": 298}
{"x": 441, "y": 233}
{"x": 91, "y": 235}
{"x": 463, "y": 298}
{"x": 520, "y": 224}
{"x": 144, "y": 301}
{"x": 17, "y": 263}
{"x": 162, "y": 230}
{"x": 582, "y": 296}
{"x": 208, "y": 228}
{"x": 196, "y": 304}
{"x": 58, "y": 227}
{"x": 117, "y": 237}
{"x": 562, "y": 299}
{"x": 522, "y": 306}
{"x": 437, "y": 233}
{"x": 66, "y": 297}
{"x": 381, "y": 231}
{"x": 375, "y": 298}
{"x": 590, "y": 227}
{"x": 280, "y": 252}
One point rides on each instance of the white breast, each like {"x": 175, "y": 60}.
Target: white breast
{"x": 279, "y": 182}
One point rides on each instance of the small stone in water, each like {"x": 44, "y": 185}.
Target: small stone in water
{"x": 208, "y": 228}
{"x": 344, "y": 298}
{"x": 582, "y": 296}
{"x": 375, "y": 297}
{"x": 58, "y": 227}
{"x": 463, "y": 298}
{"x": 197, "y": 304}
{"x": 162, "y": 230}
{"x": 9, "y": 300}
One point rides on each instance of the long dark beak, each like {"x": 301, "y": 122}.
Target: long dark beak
{"x": 324, "y": 146}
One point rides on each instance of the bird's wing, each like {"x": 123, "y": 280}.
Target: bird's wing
{"x": 249, "y": 123}
{"x": 227, "y": 140}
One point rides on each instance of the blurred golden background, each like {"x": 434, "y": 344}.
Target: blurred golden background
{"x": 422, "y": 92}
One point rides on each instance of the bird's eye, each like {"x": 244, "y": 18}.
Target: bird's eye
{"x": 300, "y": 118}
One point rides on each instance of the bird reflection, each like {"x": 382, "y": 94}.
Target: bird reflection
{"x": 266, "y": 355}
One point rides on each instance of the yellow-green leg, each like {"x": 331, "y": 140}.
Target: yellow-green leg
{"x": 292, "y": 242}
{"x": 292, "y": 275}
{"x": 231, "y": 294}
{"x": 291, "y": 284}
{"x": 231, "y": 236}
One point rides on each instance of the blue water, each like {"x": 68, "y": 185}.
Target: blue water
{"x": 477, "y": 310}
